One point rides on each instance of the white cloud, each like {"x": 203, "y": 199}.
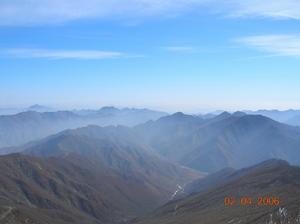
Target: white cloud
{"x": 277, "y": 45}
{"x": 40, "y": 12}
{"x": 60, "y": 54}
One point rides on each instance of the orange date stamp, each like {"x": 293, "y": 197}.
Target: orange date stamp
{"x": 249, "y": 201}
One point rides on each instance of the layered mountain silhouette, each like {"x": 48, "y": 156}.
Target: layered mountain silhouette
{"x": 27, "y": 126}
{"x": 273, "y": 179}
{"x": 291, "y": 117}
{"x": 114, "y": 174}
{"x": 31, "y": 125}
{"x": 87, "y": 175}
{"x": 227, "y": 140}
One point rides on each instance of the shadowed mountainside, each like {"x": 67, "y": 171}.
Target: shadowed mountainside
{"x": 227, "y": 140}
{"x": 103, "y": 175}
{"x": 273, "y": 178}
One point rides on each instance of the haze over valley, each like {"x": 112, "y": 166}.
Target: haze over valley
{"x": 65, "y": 166}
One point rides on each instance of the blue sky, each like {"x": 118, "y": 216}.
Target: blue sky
{"x": 192, "y": 55}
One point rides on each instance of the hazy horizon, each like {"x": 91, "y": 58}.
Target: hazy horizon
{"x": 201, "y": 111}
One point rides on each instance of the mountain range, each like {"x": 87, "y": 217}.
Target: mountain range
{"x": 87, "y": 175}
{"x": 82, "y": 167}
{"x": 31, "y": 125}
{"x": 291, "y": 117}
{"x": 227, "y": 140}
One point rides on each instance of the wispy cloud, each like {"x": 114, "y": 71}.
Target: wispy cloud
{"x": 276, "y": 45}
{"x": 279, "y": 9}
{"x": 60, "y": 54}
{"x": 40, "y": 12}
{"x": 180, "y": 49}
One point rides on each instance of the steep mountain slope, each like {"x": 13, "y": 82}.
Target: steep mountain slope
{"x": 170, "y": 135}
{"x": 269, "y": 179}
{"x": 28, "y": 126}
{"x": 207, "y": 182}
{"x": 240, "y": 141}
{"x": 55, "y": 191}
{"x": 112, "y": 165}
{"x": 117, "y": 147}
{"x": 228, "y": 140}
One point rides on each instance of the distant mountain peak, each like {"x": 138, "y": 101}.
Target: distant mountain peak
{"x": 36, "y": 106}
{"x": 178, "y": 114}
{"x": 273, "y": 163}
{"x": 39, "y": 108}
{"x": 109, "y": 108}
{"x": 222, "y": 116}
{"x": 239, "y": 114}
